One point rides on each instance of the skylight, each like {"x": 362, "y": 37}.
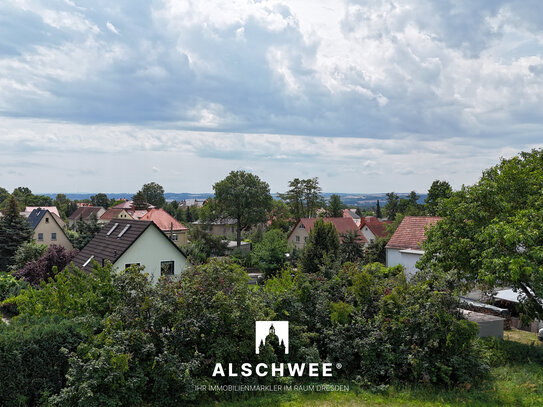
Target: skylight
{"x": 112, "y": 229}
{"x": 88, "y": 261}
{"x": 124, "y": 231}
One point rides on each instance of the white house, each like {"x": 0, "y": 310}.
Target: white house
{"x": 126, "y": 242}
{"x": 405, "y": 245}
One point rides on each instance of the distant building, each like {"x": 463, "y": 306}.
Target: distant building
{"x": 48, "y": 228}
{"x": 373, "y": 228}
{"x": 85, "y": 213}
{"x": 351, "y": 213}
{"x": 115, "y": 213}
{"x": 299, "y": 234}
{"x": 127, "y": 242}
{"x": 221, "y": 227}
{"x": 29, "y": 209}
{"x": 185, "y": 203}
{"x": 405, "y": 245}
{"x": 168, "y": 224}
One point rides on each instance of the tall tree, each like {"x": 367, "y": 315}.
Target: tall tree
{"x": 4, "y": 195}
{"x": 439, "y": 191}
{"x": 351, "y": 247}
{"x": 335, "y": 207}
{"x": 14, "y": 231}
{"x": 303, "y": 197}
{"x": 154, "y": 194}
{"x": 321, "y": 248}
{"x": 244, "y": 197}
{"x": 392, "y": 206}
{"x": 378, "y": 212}
{"x": 492, "y": 232}
{"x": 100, "y": 200}
{"x": 139, "y": 200}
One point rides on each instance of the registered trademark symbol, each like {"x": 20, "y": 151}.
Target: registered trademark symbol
{"x": 338, "y": 366}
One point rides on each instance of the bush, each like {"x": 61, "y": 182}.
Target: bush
{"x": 33, "y": 359}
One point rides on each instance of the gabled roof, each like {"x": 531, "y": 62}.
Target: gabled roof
{"x": 350, "y": 213}
{"x": 342, "y": 225}
{"x": 412, "y": 232}
{"x": 376, "y": 226}
{"x": 52, "y": 209}
{"x": 85, "y": 212}
{"x": 163, "y": 220}
{"x": 114, "y": 240}
{"x": 112, "y": 213}
{"x": 35, "y": 217}
{"x": 129, "y": 205}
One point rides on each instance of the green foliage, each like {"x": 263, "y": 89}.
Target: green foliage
{"x": 14, "y": 231}
{"x": 492, "y": 232}
{"x": 203, "y": 245}
{"x": 100, "y": 200}
{"x": 34, "y": 358}
{"x": 303, "y": 198}
{"x": 438, "y": 192}
{"x": 280, "y": 216}
{"x": 244, "y": 197}
{"x": 153, "y": 194}
{"x": 26, "y": 253}
{"x": 140, "y": 201}
{"x": 352, "y": 247}
{"x": 335, "y": 207}
{"x": 84, "y": 232}
{"x": 392, "y": 206}
{"x": 322, "y": 247}
{"x": 10, "y": 286}
{"x": 378, "y": 212}
{"x": 269, "y": 254}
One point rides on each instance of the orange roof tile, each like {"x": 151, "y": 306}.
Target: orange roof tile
{"x": 342, "y": 225}
{"x": 163, "y": 220}
{"x": 376, "y": 226}
{"x": 411, "y": 232}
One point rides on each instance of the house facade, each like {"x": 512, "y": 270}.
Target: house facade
{"x": 405, "y": 245}
{"x": 127, "y": 242}
{"x": 168, "y": 224}
{"x": 373, "y": 228}
{"x": 299, "y": 234}
{"x": 48, "y": 228}
{"x": 85, "y": 213}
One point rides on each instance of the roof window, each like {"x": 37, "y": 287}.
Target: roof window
{"x": 112, "y": 229}
{"x": 124, "y": 231}
{"x": 88, "y": 261}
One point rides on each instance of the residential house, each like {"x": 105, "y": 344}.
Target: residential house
{"x": 351, "y": 213}
{"x": 126, "y": 242}
{"x": 168, "y": 224}
{"x": 192, "y": 202}
{"x": 115, "y": 213}
{"x": 85, "y": 213}
{"x": 221, "y": 227}
{"x": 29, "y": 209}
{"x": 405, "y": 245}
{"x": 299, "y": 234}
{"x": 48, "y": 228}
{"x": 373, "y": 228}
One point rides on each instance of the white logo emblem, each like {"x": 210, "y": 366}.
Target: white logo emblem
{"x": 265, "y": 328}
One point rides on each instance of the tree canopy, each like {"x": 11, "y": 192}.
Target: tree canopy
{"x": 492, "y": 232}
{"x": 245, "y": 197}
{"x": 303, "y": 197}
{"x": 439, "y": 190}
{"x": 154, "y": 194}
{"x": 14, "y": 230}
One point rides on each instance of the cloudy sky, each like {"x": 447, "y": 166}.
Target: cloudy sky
{"x": 369, "y": 96}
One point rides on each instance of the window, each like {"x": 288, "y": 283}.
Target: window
{"x": 301, "y": 226}
{"x": 40, "y": 236}
{"x": 128, "y": 265}
{"x": 166, "y": 268}
{"x": 174, "y": 237}
{"x": 46, "y": 220}
{"x": 297, "y": 238}
{"x": 53, "y": 236}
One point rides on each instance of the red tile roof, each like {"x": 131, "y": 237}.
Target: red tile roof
{"x": 342, "y": 225}
{"x": 163, "y": 220}
{"x": 376, "y": 226}
{"x": 111, "y": 213}
{"x": 411, "y": 232}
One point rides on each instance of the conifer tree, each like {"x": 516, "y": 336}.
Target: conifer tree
{"x": 14, "y": 231}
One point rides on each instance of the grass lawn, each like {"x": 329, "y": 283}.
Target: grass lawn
{"x": 517, "y": 381}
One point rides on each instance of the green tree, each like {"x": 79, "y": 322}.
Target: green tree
{"x": 27, "y": 252}
{"x": 139, "y": 200}
{"x": 86, "y": 230}
{"x": 352, "y": 247}
{"x": 335, "y": 207}
{"x": 378, "y": 212}
{"x": 154, "y": 194}
{"x": 492, "y": 232}
{"x": 269, "y": 254}
{"x": 280, "y": 216}
{"x": 14, "y": 231}
{"x": 321, "y": 248}
{"x": 100, "y": 200}
{"x": 392, "y": 206}
{"x": 244, "y": 197}
{"x": 4, "y": 195}
{"x": 439, "y": 191}
{"x": 303, "y": 197}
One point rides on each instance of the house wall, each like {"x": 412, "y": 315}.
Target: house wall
{"x": 47, "y": 226}
{"x": 182, "y": 236}
{"x": 406, "y": 258}
{"x": 98, "y": 214}
{"x": 151, "y": 248}
{"x": 368, "y": 234}
{"x": 298, "y": 237}
{"x": 394, "y": 257}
